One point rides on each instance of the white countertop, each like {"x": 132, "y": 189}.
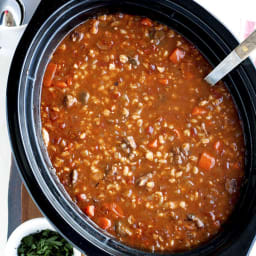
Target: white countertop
{"x": 233, "y": 14}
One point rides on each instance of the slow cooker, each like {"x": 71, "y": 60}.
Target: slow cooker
{"x": 49, "y": 25}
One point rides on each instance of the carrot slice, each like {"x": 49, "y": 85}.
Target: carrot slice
{"x": 206, "y": 161}
{"x": 177, "y": 55}
{"x": 164, "y": 81}
{"x": 198, "y": 111}
{"x": 60, "y": 84}
{"x": 147, "y": 22}
{"x": 49, "y": 74}
{"x": 89, "y": 210}
{"x": 104, "y": 222}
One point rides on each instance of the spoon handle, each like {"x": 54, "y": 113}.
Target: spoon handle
{"x": 240, "y": 53}
{"x": 247, "y": 46}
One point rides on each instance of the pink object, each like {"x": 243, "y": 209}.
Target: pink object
{"x": 249, "y": 27}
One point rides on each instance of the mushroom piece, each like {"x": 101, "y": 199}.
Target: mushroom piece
{"x": 156, "y": 35}
{"x": 179, "y": 155}
{"x": 131, "y": 142}
{"x": 84, "y": 97}
{"x": 69, "y": 101}
{"x": 125, "y": 147}
{"x": 122, "y": 229}
{"x": 231, "y": 186}
{"x": 134, "y": 60}
{"x": 76, "y": 36}
{"x": 159, "y": 35}
{"x": 197, "y": 221}
{"x": 128, "y": 144}
{"x": 144, "y": 179}
{"x": 105, "y": 45}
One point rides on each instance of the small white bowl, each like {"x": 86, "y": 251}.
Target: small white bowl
{"x": 27, "y": 228}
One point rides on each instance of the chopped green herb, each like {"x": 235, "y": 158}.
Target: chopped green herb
{"x": 45, "y": 243}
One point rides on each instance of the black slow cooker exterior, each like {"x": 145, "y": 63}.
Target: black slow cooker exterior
{"x": 51, "y": 22}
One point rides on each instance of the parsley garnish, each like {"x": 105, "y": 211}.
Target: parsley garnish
{"x": 45, "y": 243}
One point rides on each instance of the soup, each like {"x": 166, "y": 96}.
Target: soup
{"x": 142, "y": 144}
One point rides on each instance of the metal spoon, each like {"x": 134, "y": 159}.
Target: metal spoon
{"x": 240, "y": 53}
